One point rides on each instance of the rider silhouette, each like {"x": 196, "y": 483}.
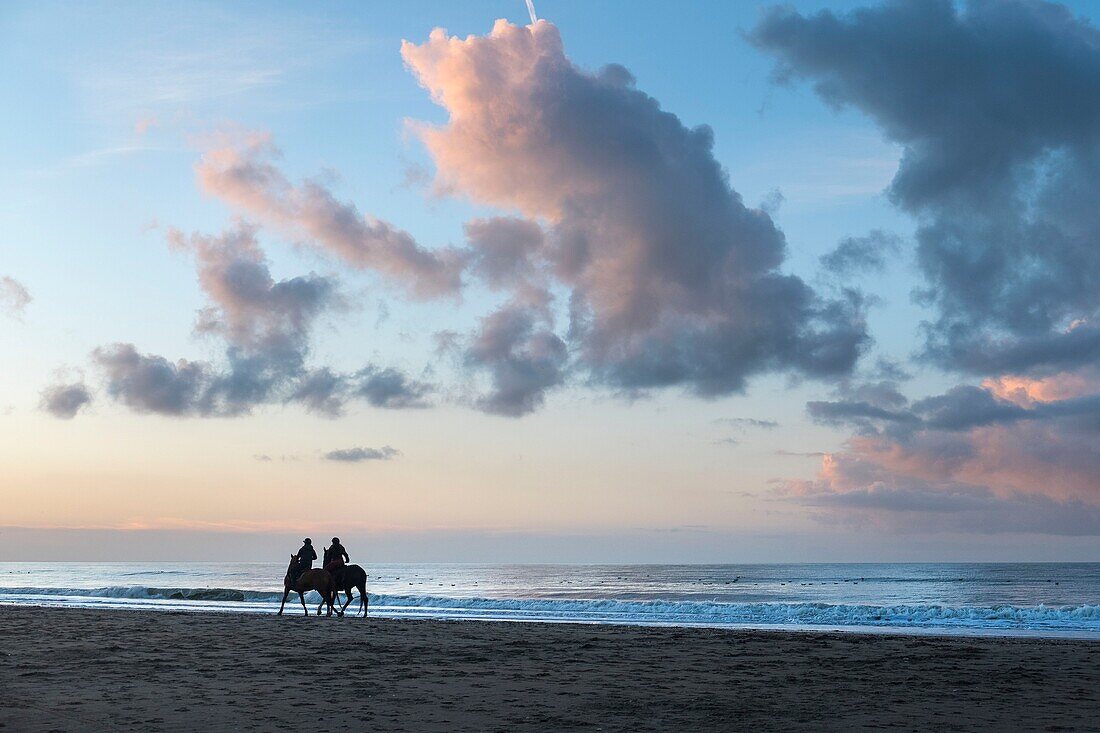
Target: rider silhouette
{"x": 335, "y": 557}
{"x": 305, "y": 556}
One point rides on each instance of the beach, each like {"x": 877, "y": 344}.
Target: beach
{"x": 67, "y": 669}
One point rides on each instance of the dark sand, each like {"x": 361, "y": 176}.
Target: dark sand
{"x": 69, "y": 669}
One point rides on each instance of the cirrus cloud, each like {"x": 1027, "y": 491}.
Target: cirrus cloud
{"x": 14, "y": 296}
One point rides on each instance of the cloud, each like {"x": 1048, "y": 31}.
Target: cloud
{"x": 1005, "y": 457}
{"x": 856, "y": 255}
{"x": 870, "y": 407}
{"x": 65, "y": 400}
{"x": 151, "y": 384}
{"x": 748, "y": 422}
{"x": 248, "y": 307}
{"x": 357, "y": 455}
{"x": 241, "y": 172}
{"x": 14, "y": 296}
{"x": 993, "y": 104}
{"x": 862, "y": 404}
{"x": 857, "y": 492}
{"x": 672, "y": 280}
{"x": 1028, "y": 392}
{"x": 266, "y": 327}
{"x": 504, "y": 250}
{"x": 322, "y": 391}
{"x": 265, "y": 324}
{"x": 523, "y": 357}
{"x": 391, "y": 389}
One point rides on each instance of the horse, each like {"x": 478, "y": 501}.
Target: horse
{"x": 349, "y": 578}
{"x": 318, "y": 580}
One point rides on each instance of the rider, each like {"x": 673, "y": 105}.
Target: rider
{"x": 306, "y": 556}
{"x": 335, "y": 557}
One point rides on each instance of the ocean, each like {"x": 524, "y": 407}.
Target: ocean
{"x": 1040, "y": 599}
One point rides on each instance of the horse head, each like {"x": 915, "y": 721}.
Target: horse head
{"x": 287, "y": 582}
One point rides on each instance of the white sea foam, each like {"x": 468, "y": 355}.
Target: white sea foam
{"x": 1081, "y": 618}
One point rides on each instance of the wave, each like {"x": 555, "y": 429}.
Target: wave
{"x": 1062, "y": 618}
{"x": 136, "y": 592}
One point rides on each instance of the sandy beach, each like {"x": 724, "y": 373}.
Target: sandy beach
{"x": 73, "y": 669}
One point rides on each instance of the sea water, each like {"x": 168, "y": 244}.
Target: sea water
{"x": 1043, "y": 599}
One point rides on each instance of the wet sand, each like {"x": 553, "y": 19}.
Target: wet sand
{"x": 72, "y": 669}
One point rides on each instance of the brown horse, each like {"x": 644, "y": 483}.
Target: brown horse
{"x": 318, "y": 580}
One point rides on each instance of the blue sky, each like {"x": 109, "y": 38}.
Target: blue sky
{"x": 113, "y": 108}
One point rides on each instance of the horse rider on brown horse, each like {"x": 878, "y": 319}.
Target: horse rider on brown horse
{"x": 336, "y": 557}
{"x": 305, "y": 556}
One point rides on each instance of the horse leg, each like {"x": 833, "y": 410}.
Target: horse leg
{"x": 302, "y": 598}
{"x": 363, "y": 599}
{"x": 347, "y": 602}
{"x": 286, "y": 593}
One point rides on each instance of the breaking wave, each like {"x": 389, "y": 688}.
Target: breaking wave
{"x": 1082, "y": 618}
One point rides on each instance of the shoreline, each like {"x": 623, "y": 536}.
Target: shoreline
{"x": 115, "y": 669}
{"x": 417, "y": 614}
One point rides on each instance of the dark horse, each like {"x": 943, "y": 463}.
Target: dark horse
{"x": 349, "y": 578}
{"x": 318, "y": 580}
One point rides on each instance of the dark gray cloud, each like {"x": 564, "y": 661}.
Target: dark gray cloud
{"x": 504, "y": 250}
{"x": 877, "y": 407}
{"x": 151, "y": 383}
{"x": 321, "y": 391}
{"x": 965, "y": 407}
{"x": 251, "y": 310}
{"x": 994, "y": 104}
{"x": 857, "y": 255}
{"x": 358, "y": 455}
{"x": 65, "y": 400}
{"x": 854, "y": 411}
{"x": 523, "y": 357}
{"x": 266, "y": 326}
{"x": 14, "y": 296}
{"x": 672, "y": 280}
{"x": 391, "y": 388}
{"x": 864, "y": 405}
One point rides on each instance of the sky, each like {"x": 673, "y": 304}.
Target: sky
{"x": 715, "y": 282}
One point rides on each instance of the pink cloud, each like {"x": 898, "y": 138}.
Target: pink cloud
{"x": 1027, "y": 391}
{"x": 672, "y": 279}
{"x": 1035, "y": 469}
{"x": 241, "y": 172}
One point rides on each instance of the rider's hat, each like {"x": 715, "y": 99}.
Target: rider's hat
{"x": 336, "y": 540}
{"x": 308, "y": 541}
